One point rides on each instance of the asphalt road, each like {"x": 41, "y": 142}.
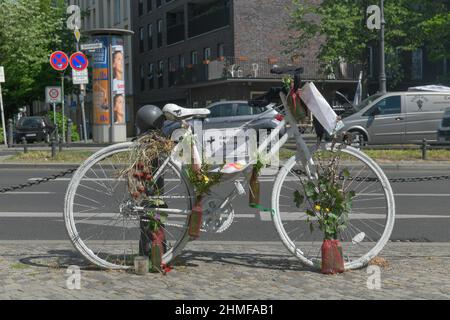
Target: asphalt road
{"x": 423, "y": 209}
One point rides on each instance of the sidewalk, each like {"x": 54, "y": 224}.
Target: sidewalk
{"x": 37, "y": 270}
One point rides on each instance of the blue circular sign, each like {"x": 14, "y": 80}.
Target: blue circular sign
{"x": 78, "y": 61}
{"x": 59, "y": 61}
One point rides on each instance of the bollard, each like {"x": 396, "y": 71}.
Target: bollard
{"x": 25, "y": 145}
{"x": 69, "y": 132}
{"x": 424, "y": 149}
{"x": 53, "y": 147}
{"x": 141, "y": 265}
{"x": 10, "y": 133}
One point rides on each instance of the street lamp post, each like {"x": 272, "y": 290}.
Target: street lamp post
{"x": 383, "y": 87}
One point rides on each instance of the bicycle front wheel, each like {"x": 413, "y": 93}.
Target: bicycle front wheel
{"x": 101, "y": 216}
{"x": 370, "y": 222}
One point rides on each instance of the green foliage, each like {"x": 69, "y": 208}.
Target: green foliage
{"x": 1, "y": 135}
{"x": 156, "y": 220}
{"x": 330, "y": 205}
{"x": 59, "y": 122}
{"x": 410, "y": 24}
{"x": 29, "y": 31}
{"x": 203, "y": 180}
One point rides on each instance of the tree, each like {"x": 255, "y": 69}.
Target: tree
{"x": 29, "y": 31}
{"x": 410, "y": 24}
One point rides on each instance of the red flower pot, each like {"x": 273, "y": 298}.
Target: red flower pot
{"x": 332, "y": 257}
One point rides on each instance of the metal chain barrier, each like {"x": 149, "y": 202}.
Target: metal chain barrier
{"x": 39, "y": 181}
{"x": 392, "y": 180}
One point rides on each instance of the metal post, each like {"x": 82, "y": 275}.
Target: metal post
{"x": 25, "y": 146}
{"x": 69, "y": 131}
{"x": 383, "y": 86}
{"x": 3, "y": 117}
{"x": 424, "y": 149}
{"x": 62, "y": 109}
{"x": 10, "y": 133}
{"x": 53, "y": 147}
{"x": 83, "y": 113}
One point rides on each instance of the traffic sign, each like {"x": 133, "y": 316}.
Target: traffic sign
{"x": 80, "y": 77}
{"x": 59, "y": 61}
{"x": 53, "y": 95}
{"x": 78, "y": 61}
{"x": 2, "y": 75}
{"x": 91, "y": 46}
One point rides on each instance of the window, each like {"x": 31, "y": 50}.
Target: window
{"x": 194, "y": 57}
{"x": 160, "y": 74}
{"x": 141, "y": 7}
{"x": 160, "y": 27}
{"x": 220, "y": 50}
{"x": 417, "y": 65}
{"x": 117, "y": 11}
{"x": 149, "y": 5}
{"x": 151, "y": 76}
{"x": 390, "y": 105}
{"x": 141, "y": 39}
{"x": 244, "y": 110}
{"x": 141, "y": 74}
{"x": 150, "y": 37}
{"x": 221, "y": 110}
{"x": 181, "y": 62}
{"x": 207, "y": 54}
{"x": 158, "y": 3}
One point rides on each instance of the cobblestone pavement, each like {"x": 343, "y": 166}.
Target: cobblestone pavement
{"x": 38, "y": 270}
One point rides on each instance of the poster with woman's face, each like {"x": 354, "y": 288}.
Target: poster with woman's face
{"x": 118, "y": 64}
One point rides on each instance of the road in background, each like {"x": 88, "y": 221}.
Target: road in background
{"x": 423, "y": 209}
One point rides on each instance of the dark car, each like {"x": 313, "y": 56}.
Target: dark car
{"x": 235, "y": 114}
{"x": 34, "y": 129}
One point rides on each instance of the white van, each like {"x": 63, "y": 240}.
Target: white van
{"x": 398, "y": 117}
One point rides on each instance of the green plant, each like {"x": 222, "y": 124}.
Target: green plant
{"x": 203, "y": 180}
{"x": 1, "y": 135}
{"x": 329, "y": 204}
{"x": 59, "y": 122}
{"x": 156, "y": 220}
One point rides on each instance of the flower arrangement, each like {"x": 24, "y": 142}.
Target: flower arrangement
{"x": 294, "y": 102}
{"x": 254, "y": 185}
{"x": 329, "y": 208}
{"x": 202, "y": 180}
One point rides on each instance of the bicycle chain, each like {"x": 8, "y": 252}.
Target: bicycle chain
{"x": 39, "y": 181}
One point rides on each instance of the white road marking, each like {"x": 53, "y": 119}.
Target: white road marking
{"x": 26, "y": 193}
{"x": 301, "y": 216}
{"x": 90, "y": 215}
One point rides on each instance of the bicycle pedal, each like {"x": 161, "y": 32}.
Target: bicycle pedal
{"x": 240, "y": 189}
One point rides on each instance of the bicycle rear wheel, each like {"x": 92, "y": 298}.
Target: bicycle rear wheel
{"x": 102, "y": 218}
{"x": 371, "y": 219}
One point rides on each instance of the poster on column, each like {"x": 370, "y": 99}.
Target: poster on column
{"x": 101, "y": 96}
{"x": 118, "y": 66}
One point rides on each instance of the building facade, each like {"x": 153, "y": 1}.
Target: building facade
{"x": 194, "y": 52}
{"x": 111, "y": 14}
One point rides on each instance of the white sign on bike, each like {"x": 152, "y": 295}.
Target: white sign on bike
{"x": 320, "y": 108}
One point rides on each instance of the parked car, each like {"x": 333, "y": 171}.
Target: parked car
{"x": 235, "y": 114}
{"x": 398, "y": 117}
{"x": 34, "y": 129}
{"x": 444, "y": 128}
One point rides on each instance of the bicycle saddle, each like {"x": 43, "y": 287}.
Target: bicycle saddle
{"x": 177, "y": 113}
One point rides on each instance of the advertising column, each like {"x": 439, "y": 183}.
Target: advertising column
{"x": 109, "y": 91}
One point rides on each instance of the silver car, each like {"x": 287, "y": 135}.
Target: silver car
{"x": 235, "y": 114}
{"x": 398, "y": 117}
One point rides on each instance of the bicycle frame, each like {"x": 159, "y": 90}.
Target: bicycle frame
{"x": 303, "y": 154}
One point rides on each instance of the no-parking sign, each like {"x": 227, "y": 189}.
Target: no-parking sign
{"x": 59, "y": 61}
{"x": 53, "y": 95}
{"x": 78, "y": 61}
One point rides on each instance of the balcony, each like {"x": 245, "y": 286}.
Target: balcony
{"x": 175, "y": 34}
{"x": 245, "y": 68}
{"x": 215, "y": 18}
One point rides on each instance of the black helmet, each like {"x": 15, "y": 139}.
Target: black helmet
{"x": 149, "y": 118}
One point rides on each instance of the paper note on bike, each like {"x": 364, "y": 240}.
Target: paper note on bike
{"x": 320, "y": 108}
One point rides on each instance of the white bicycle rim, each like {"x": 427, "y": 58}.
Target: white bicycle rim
{"x": 295, "y": 245}
{"x": 72, "y": 225}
